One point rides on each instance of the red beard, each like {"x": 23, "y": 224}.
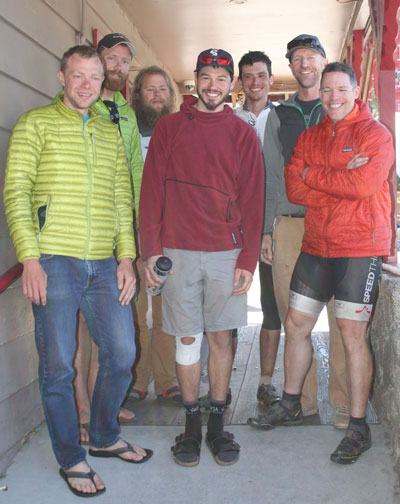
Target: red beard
{"x": 115, "y": 81}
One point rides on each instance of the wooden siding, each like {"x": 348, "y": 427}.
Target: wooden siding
{"x": 33, "y": 36}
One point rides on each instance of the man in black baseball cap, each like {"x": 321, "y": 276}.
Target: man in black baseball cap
{"x": 116, "y": 52}
{"x": 201, "y": 205}
{"x": 214, "y": 78}
{"x": 304, "y": 41}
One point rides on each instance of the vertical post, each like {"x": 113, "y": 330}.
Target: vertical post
{"x": 358, "y": 45}
{"x": 387, "y": 98}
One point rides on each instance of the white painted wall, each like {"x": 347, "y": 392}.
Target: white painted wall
{"x": 33, "y": 36}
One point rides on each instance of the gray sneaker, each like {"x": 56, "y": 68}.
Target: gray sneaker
{"x": 275, "y": 415}
{"x": 266, "y": 394}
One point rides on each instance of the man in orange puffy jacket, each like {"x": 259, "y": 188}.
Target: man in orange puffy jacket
{"x": 339, "y": 171}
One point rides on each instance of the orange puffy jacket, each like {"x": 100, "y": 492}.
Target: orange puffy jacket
{"x": 347, "y": 211}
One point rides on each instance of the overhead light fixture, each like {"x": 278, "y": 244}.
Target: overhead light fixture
{"x": 238, "y": 1}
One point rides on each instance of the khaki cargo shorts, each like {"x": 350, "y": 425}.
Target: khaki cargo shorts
{"x": 198, "y": 296}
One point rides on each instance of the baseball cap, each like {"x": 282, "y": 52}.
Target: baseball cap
{"x": 114, "y": 39}
{"x": 216, "y": 58}
{"x": 305, "y": 41}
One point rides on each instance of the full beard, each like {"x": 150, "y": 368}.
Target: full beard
{"x": 114, "y": 84}
{"x": 148, "y": 115}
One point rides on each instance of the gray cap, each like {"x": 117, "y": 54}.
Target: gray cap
{"x": 305, "y": 41}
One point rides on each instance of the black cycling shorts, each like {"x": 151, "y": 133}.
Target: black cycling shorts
{"x": 271, "y": 318}
{"x": 353, "y": 281}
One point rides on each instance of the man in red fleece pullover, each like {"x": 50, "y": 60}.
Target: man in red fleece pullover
{"x": 339, "y": 171}
{"x": 201, "y": 205}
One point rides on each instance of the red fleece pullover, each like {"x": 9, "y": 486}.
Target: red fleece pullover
{"x": 203, "y": 186}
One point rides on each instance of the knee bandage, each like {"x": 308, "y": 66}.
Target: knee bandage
{"x": 188, "y": 354}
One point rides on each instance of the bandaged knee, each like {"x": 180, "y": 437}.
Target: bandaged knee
{"x": 188, "y": 354}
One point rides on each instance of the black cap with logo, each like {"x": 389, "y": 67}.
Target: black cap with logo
{"x": 215, "y": 58}
{"x": 114, "y": 39}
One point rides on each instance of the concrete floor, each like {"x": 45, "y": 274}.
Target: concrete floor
{"x": 286, "y": 465}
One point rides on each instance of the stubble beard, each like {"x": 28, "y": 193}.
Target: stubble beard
{"x": 211, "y": 106}
{"x": 310, "y": 84}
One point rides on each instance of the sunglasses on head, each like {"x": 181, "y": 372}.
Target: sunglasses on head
{"x": 205, "y": 59}
{"x": 113, "y": 108}
{"x": 312, "y": 43}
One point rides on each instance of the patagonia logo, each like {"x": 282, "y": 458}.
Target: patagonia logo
{"x": 234, "y": 238}
{"x": 347, "y": 149}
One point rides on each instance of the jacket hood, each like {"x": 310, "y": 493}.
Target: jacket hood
{"x": 188, "y": 108}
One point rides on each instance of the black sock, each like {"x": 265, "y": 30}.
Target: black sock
{"x": 291, "y": 401}
{"x": 193, "y": 419}
{"x": 215, "y": 423}
{"x": 358, "y": 424}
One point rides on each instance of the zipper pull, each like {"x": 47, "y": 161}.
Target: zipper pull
{"x": 334, "y": 128}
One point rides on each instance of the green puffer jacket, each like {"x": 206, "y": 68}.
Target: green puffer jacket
{"x": 131, "y": 139}
{"x": 67, "y": 189}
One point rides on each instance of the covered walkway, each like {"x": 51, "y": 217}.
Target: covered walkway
{"x": 286, "y": 465}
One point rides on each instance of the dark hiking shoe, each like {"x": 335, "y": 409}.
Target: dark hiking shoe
{"x": 351, "y": 447}
{"x": 275, "y": 415}
{"x": 266, "y": 394}
{"x": 205, "y": 400}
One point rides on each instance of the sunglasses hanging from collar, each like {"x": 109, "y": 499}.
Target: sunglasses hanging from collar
{"x": 114, "y": 112}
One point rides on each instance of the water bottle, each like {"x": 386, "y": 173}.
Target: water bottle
{"x": 161, "y": 269}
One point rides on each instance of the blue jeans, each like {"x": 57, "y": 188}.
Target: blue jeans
{"x": 91, "y": 286}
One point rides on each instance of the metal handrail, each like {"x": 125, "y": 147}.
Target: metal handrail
{"x": 7, "y": 278}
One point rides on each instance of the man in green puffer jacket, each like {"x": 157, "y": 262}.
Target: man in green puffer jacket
{"x": 117, "y": 52}
{"x": 68, "y": 204}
